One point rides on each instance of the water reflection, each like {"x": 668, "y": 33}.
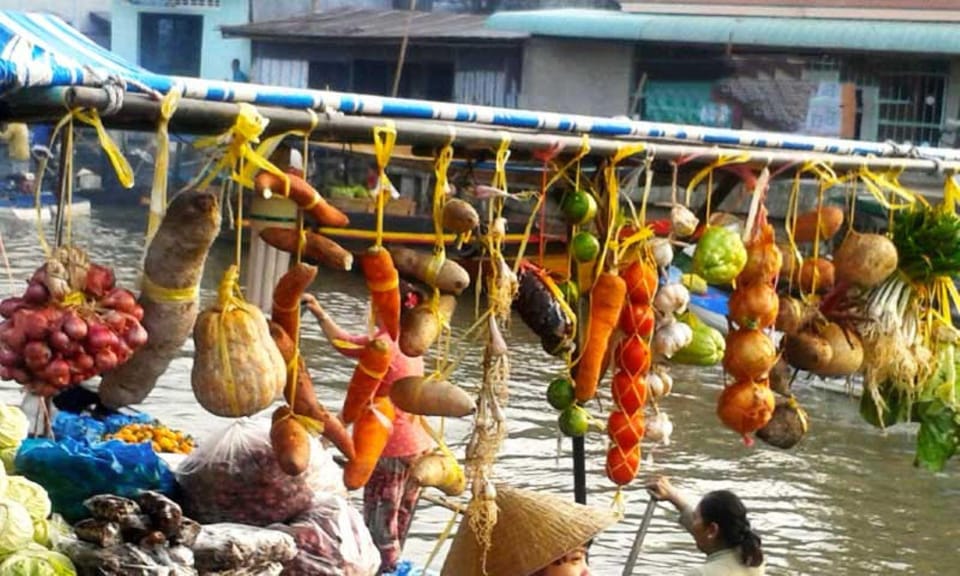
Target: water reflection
{"x": 845, "y": 502}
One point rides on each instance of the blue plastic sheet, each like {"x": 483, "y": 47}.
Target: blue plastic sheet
{"x": 86, "y": 427}
{"x": 73, "y": 470}
{"x": 407, "y": 568}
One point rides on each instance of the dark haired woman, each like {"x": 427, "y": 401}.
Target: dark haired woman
{"x": 720, "y": 528}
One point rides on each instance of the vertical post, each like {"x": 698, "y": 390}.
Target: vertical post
{"x": 579, "y": 470}
{"x": 266, "y": 264}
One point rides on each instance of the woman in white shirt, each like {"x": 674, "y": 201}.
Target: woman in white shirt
{"x": 720, "y": 527}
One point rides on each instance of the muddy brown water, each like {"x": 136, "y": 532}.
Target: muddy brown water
{"x": 847, "y": 501}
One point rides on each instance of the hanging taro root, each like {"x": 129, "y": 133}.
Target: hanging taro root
{"x": 446, "y": 275}
{"x": 237, "y": 369}
{"x": 420, "y": 327}
{"x": 169, "y": 298}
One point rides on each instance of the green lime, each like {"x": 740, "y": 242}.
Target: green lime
{"x": 586, "y": 247}
{"x": 578, "y": 207}
{"x": 574, "y": 421}
{"x": 560, "y": 393}
{"x": 570, "y": 291}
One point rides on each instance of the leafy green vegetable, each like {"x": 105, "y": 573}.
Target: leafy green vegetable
{"x": 928, "y": 242}
{"x": 939, "y": 435}
{"x": 37, "y": 561}
{"x": 13, "y": 426}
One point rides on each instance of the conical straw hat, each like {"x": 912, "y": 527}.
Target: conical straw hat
{"x": 533, "y": 529}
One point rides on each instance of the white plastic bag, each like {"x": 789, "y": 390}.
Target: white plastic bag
{"x": 234, "y": 477}
{"x": 232, "y": 547}
{"x": 333, "y": 541}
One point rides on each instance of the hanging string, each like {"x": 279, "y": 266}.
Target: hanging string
{"x": 384, "y": 138}
{"x": 441, "y": 188}
{"x": 707, "y": 172}
{"x": 158, "y": 191}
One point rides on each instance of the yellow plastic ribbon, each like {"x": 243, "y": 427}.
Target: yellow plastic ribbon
{"x": 881, "y": 184}
{"x": 722, "y": 160}
{"x": 951, "y": 190}
{"x": 158, "y": 192}
{"x": 120, "y": 165}
{"x": 238, "y": 152}
{"x": 159, "y": 293}
{"x": 384, "y": 138}
{"x": 613, "y": 201}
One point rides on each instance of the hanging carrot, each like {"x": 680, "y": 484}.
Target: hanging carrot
{"x": 286, "y": 296}
{"x": 305, "y": 195}
{"x": 383, "y": 281}
{"x": 370, "y": 434}
{"x": 606, "y": 300}
{"x": 373, "y": 365}
{"x": 301, "y": 397}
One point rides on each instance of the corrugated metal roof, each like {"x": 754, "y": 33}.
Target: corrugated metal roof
{"x": 796, "y": 33}
{"x": 355, "y": 23}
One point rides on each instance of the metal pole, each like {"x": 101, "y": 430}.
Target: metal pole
{"x": 203, "y": 117}
{"x": 638, "y": 540}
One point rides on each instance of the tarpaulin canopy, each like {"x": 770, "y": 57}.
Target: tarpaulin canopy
{"x": 41, "y": 50}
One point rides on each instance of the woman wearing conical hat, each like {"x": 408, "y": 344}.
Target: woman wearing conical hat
{"x": 536, "y": 534}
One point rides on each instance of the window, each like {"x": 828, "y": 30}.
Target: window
{"x": 329, "y": 76}
{"x": 908, "y": 98}
{"x": 171, "y": 43}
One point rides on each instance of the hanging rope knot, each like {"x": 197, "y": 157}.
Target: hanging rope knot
{"x": 115, "y": 88}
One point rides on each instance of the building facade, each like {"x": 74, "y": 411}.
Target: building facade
{"x": 181, "y": 37}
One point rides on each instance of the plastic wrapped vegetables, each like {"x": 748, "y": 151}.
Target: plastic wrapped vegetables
{"x": 234, "y": 477}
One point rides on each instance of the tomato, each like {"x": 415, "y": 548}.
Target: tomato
{"x": 623, "y": 465}
{"x": 629, "y": 392}
{"x": 625, "y": 430}
{"x": 637, "y": 319}
{"x": 633, "y": 355}
{"x": 641, "y": 279}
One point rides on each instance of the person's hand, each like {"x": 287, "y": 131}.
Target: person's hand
{"x": 311, "y": 302}
{"x": 660, "y": 488}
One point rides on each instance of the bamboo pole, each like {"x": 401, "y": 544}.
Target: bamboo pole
{"x": 140, "y": 112}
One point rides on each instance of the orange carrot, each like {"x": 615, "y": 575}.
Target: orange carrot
{"x": 303, "y": 400}
{"x": 286, "y": 296}
{"x": 383, "y": 281}
{"x": 606, "y": 300}
{"x": 831, "y": 219}
{"x": 317, "y": 248}
{"x": 374, "y": 362}
{"x": 305, "y": 195}
{"x": 370, "y": 434}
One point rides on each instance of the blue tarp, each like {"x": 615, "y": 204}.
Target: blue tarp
{"x": 41, "y": 50}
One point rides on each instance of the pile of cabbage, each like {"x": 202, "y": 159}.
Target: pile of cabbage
{"x": 27, "y": 530}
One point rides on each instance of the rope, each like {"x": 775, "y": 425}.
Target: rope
{"x": 384, "y": 138}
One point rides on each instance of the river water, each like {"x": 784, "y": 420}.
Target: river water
{"x": 847, "y": 501}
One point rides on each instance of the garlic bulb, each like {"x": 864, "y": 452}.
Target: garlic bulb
{"x": 659, "y": 429}
{"x": 672, "y": 299}
{"x": 668, "y": 340}
{"x": 683, "y": 222}
{"x": 662, "y": 251}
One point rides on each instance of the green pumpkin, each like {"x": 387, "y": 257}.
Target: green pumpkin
{"x": 720, "y": 256}
{"x": 706, "y": 348}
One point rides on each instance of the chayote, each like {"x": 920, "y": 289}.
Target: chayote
{"x": 720, "y": 256}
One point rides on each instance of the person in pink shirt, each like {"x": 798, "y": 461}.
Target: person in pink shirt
{"x": 391, "y": 495}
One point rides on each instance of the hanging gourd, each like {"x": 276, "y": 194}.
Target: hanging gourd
{"x": 238, "y": 369}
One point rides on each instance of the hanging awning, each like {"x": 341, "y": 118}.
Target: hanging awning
{"x": 41, "y": 50}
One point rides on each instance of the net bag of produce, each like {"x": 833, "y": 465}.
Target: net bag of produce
{"x": 234, "y": 477}
{"x": 72, "y": 471}
{"x": 238, "y": 549}
{"x": 333, "y": 541}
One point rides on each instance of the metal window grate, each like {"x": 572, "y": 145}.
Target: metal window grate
{"x": 178, "y": 3}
